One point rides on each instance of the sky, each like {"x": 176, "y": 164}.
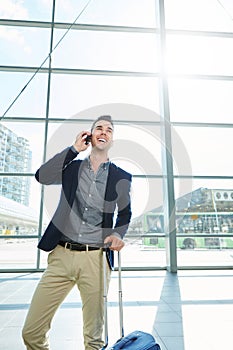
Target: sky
{"x": 208, "y": 151}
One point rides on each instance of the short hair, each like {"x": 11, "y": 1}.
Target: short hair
{"x": 108, "y": 118}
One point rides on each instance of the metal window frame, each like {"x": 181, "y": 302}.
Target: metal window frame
{"x": 161, "y": 31}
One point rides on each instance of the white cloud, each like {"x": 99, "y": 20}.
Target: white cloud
{"x": 13, "y": 9}
{"x": 14, "y": 36}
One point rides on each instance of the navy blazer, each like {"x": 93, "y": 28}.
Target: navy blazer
{"x": 63, "y": 169}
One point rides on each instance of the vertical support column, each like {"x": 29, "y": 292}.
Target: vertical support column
{"x": 46, "y": 130}
{"x": 167, "y": 158}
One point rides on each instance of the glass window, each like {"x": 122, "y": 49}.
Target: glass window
{"x": 83, "y": 92}
{"x": 145, "y": 242}
{"x": 30, "y": 102}
{"x": 188, "y": 54}
{"x": 144, "y": 252}
{"x": 135, "y": 52}
{"x": 199, "y": 15}
{"x": 147, "y": 196}
{"x": 19, "y": 216}
{"x": 209, "y": 150}
{"x": 133, "y": 13}
{"x": 19, "y": 207}
{"x": 201, "y": 100}
{"x": 24, "y": 46}
{"x": 22, "y": 146}
{"x": 80, "y": 92}
{"x": 204, "y": 221}
{"x": 193, "y": 184}
{"x": 204, "y": 252}
{"x": 18, "y": 253}
{"x": 16, "y": 188}
{"x": 26, "y": 10}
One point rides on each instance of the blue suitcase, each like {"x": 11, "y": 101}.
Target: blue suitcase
{"x": 136, "y": 340}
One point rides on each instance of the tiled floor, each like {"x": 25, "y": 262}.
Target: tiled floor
{"x": 188, "y": 311}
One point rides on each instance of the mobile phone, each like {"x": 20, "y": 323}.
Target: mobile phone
{"x": 88, "y": 139}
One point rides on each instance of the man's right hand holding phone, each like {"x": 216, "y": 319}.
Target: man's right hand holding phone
{"x": 82, "y": 141}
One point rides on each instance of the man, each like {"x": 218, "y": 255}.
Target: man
{"x": 84, "y": 222}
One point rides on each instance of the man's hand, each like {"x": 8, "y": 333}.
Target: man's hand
{"x": 80, "y": 141}
{"x": 116, "y": 242}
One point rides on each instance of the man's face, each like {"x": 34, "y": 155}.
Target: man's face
{"x": 102, "y": 135}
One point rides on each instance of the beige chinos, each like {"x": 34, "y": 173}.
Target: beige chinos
{"x": 65, "y": 269}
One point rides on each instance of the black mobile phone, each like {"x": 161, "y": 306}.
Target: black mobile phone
{"x": 88, "y": 139}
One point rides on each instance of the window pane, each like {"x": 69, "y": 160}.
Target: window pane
{"x": 186, "y": 188}
{"x": 145, "y": 244}
{"x": 26, "y": 10}
{"x": 199, "y": 55}
{"x": 204, "y": 208}
{"x": 19, "y": 216}
{"x": 24, "y": 46}
{"x": 209, "y": 150}
{"x": 18, "y": 253}
{"x": 71, "y": 94}
{"x": 144, "y": 252}
{"x": 106, "y": 51}
{"x": 20, "y": 195}
{"x": 138, "y": 149}
{"x": 21, "y": 145}
{"x": 199, "y": 15}
{"x": 201, "y": 216}
{"x": 108, "y": 12}
{"x": 31, "y": 102}
{"x": 207, "y": 252}
{"x": 23, "y": 193}
{"x": 201, "y": 100}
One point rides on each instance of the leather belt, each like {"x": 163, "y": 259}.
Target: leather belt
{"x": 77, "y": 246}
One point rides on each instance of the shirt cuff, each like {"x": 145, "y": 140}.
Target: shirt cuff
{"x": 116, "y": 234}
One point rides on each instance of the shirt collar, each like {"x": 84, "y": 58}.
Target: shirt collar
{"x": 104, "y": 165}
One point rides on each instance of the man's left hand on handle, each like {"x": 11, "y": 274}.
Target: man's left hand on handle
{"x": 115, "y": 243}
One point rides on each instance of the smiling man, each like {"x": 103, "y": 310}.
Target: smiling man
{"x": 92, "y": 190}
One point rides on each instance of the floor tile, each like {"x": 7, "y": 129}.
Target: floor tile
{"x": 185, "y": 311}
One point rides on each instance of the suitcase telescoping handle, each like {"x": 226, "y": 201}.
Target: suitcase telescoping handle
{"x": 120, "y": 303}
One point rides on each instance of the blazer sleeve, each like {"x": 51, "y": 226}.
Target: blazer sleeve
{"x": 50, "y": 173}
{"x": 124, "y": 212}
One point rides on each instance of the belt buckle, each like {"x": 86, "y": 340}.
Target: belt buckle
{"x": 68, "y": 245}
